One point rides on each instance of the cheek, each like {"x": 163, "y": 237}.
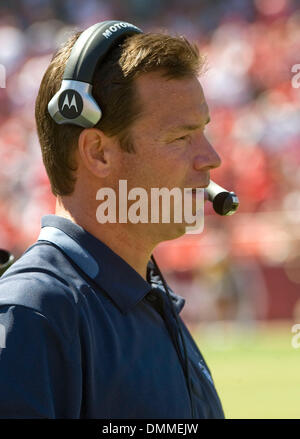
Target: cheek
{"x": 155, "y": 168}
{"x": 134, "y": 171}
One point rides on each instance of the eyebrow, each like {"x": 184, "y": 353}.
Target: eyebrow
{"x": 187, "y": 127}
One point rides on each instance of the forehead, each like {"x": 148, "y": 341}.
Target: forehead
{"x": 168, "y": 102}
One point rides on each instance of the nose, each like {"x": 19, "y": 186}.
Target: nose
{"x": 206, "y": 157}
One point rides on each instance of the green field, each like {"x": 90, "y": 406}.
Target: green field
{"x": 256, "y": 370}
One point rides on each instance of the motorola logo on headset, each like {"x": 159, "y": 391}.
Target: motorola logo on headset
{"x": 70, "y": 104}
{"x": 115, "y": 27}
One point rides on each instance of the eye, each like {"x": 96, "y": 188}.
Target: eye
{"x": 186, "y": 137}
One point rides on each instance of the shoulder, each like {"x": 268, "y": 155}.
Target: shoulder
{"x": 41, "y": 280}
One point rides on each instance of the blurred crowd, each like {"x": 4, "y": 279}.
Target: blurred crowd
{"x": 252, "y": 49}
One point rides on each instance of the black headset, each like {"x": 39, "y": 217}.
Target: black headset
{"x": 74, "y": 102}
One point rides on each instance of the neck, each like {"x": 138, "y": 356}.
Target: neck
{"x": 134, "y": 249}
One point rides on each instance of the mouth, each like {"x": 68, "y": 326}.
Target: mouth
{"x": 193, "y": 191}
{"x": 204, "y": 185}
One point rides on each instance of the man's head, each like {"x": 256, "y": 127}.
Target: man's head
{"x": 151, "y": 130}
{"x": 115, "y": 91}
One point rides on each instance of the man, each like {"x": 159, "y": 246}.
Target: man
{"x": 92, "y": 330}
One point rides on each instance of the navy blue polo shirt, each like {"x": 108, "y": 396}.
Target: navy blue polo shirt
{"x": 85, "y": 337}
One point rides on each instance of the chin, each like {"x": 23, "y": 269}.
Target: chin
{"x": 171, "y": 231}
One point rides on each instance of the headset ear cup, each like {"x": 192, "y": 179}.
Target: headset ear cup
{"x": 92, "y": 46}
{"x": 68, "y": 103}
{"x": 74, "y": 104}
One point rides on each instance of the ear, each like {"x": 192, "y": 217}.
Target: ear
{"x": 96, "y": 151}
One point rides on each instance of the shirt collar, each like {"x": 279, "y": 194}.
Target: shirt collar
{"x": 155, "y": 280}
{"x": 107, "y": 269}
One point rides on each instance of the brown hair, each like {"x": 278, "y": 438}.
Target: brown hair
{"x": 113, "y": 89}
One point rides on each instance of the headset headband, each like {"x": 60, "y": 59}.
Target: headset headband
{"x": 74, "y": 103}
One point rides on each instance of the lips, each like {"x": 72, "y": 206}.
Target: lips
{"x": 194, "y": 193}
{"x": 202, "y": 187}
